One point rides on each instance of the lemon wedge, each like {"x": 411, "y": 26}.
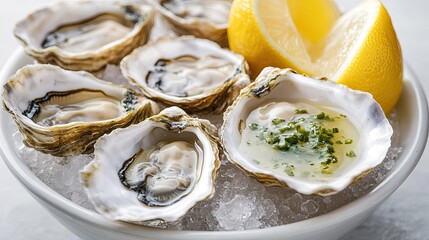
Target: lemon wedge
{"x": 358, "y": 49}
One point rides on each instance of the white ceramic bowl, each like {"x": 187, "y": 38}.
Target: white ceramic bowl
{"x": 413, "y": 121}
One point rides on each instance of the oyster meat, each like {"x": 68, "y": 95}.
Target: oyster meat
{"x": 201, "y": 18}
{"x": 73, "y": 106}
{"x": 63, "y": 112}
{"x": 314, "y": 136}
{"x": 195, "y": 74}
{"x": 157, "y": 169}
{"x": 85, "y": 35}
{"x": 162, "y": 174}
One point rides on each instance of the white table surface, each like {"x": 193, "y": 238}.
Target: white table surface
{"x": 404, "y": 216}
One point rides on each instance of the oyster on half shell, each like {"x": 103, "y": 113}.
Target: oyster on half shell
{"x": 315, "y": 136}
{"x": 192, "y": 73}
{"x": 201, "y": 18}
{"x": 64, "y": 112}
{"x": 157, "y": 169}
{"x": 85, "y": 35}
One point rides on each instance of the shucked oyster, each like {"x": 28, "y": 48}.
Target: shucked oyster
{"x": 195, "y": 74}
{"x": 63, "y": 113}
{"x": 312, "y": 135}
{"x": 162, "y": 174}
{"x": 157, "y": 169}
{"x": 201, "y": 18}
{"x": 84, "y": 35}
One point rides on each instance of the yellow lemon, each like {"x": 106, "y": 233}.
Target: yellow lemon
{"x": 359, "y": 49}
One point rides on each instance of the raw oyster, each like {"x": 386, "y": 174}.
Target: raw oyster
{"x": 192, "y": 73}
{"x": 201, "y": 18}
{"x": 63, "y": 112}
{"x": 84, "y": 35}
{"x": 157, "y": 169}
{"x": 314, "y": 136}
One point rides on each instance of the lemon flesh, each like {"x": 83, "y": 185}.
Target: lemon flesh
{"x": 306, "y": 14}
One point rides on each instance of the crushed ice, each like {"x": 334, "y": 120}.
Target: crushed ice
{"x": 240, "y": 202}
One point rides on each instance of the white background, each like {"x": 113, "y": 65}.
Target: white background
{"x": 404, "y": 216}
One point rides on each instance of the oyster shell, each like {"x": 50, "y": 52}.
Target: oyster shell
{"x": 314, "y": 136}
{"x": 84, "y": 35}
{"x": 201, "y": 18}
{"x": 192, "y": 73}
{"x": 63, "y": 112}
{"x": 157, "y": 169}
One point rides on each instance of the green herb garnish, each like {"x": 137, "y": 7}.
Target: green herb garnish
{"x": 304, "y": 134}
{"x": 253, "y": 126}
{"x": 351, "y": 154}
{"x": 277, "y": 121}
{"x": 300, "y": 111}
{"x": 321, "y": 115}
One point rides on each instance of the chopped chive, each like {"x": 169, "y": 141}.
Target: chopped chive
{"x": 300, "y": 129}
{"x": 277, "y": 121}
{"x": 348, "y": 141}
{"x": 273, "y": 140}
{"x": 303, "y": 138}
{"x": 253, "y": 126}
{"x": 282, "y": 146}
{"x": 335, "y": 130}
{"x": 321, "y": 115}
{"x": 284, "y": 129}
{"x": 300, "y": 111}
{"x": 292, "y": 139}
{"x": 339, "y": 142}
{"x": 351, "y": 154}
{"x": 342, "y": 115}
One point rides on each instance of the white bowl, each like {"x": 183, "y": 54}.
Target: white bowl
{"x": 413, "y": 122}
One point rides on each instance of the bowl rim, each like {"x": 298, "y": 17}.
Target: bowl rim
{"x": 395, "y": 178}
